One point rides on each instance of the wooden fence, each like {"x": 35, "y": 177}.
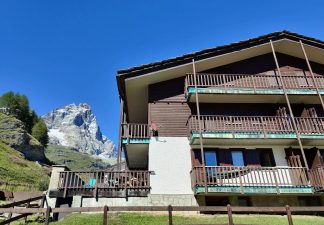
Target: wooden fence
{"x": 169, "y": 209}
{"x": 27, "y": 203}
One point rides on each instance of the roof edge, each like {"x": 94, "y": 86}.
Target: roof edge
{"x": 218, "y": 50}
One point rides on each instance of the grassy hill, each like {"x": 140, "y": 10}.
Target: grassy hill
{"x": 73, "y": 159}
{"x": 19, "y": 174}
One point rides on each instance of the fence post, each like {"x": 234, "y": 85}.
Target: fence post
{"x": 170, "y": 214}
{"x": 230, "y": 216}
{"x": 43, "y": 201}
{"x": 28, "y": 205}
{"x": 47, "y": 215}
{"x": 290, "y": 221}
{"x": 105, "y": 216}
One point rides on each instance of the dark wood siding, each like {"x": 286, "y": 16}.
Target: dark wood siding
{"x": 171, "y": 118}
{"x": 168, "y": 108}
{"x": 167, "y": 91}
{"x": 265, "y": 64}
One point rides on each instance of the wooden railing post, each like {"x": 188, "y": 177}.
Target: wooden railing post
{"x": 274, "y": 170}
{"x": 170, "y": 214}
{"x": 105, "y": 215}
{"x": 288, "y": 211}
{"x": 230, "y": 215}
{"x": 66, "y": 178}
{"x": 47, "y": 215}
{"x": 95, "y": 193}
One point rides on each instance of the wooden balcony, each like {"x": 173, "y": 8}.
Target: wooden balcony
{"x": 135, "y": 133}
{"x": 251, "y": 84}
{"x": 103, "y": 183}
{"x": 254, "y": 127}
{"x": 250, "y": 179}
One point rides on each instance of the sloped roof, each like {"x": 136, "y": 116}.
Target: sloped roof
{"x": 211, "y": 52}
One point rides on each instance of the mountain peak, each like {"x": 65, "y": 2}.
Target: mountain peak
{"x": 76, "y": 126}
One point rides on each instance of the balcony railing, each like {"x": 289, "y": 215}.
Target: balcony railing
{"x": 250, "y": 176}
{"x": 85, "y": 181}
{"x": 254, "y": 81}
{"x": 256, "y": 124}
{"x": 135, "y": 130}
{"x": 316, "y": 176}
{"x": 310, "y": 125}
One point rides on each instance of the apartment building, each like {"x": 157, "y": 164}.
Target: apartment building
{"x": 240, "y": 124}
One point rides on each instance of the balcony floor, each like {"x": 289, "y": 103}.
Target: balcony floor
{"x": 255, "y": 190}
{"x": 255, "y": 137}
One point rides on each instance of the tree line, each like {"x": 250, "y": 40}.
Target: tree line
{"x": 17, "y": 105}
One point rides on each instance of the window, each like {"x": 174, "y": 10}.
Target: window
{"x": 234, "y": 157}
{"x": 259, "y": 157}
{"x": 266, "y": 157}
{"x": 210, "y": 158}
{"x": 197, "y": 157}
{"x": 237, "y": 158}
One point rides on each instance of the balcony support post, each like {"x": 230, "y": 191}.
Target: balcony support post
{"x": 289, "y": 106}
{"x": 121, "y": 115}
{"x": 199, "y": 125}
{"x": 312, "y": 74}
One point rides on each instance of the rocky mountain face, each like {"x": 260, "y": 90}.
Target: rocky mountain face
{"x": 75, "y": 126}
{"x": 13, "y": 134}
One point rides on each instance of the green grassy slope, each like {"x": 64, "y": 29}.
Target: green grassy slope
{"x": 19, "y": 174}
{"x": 73, "y": 159}
{"x": 145, "y": 219}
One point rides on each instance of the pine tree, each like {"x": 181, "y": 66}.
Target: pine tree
{"x": 39, "y": 131}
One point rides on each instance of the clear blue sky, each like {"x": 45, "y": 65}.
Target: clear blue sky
{"x": 64, "y": 51}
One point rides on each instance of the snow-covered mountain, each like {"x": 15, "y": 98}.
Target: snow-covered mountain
{"x": 75, "y": 126}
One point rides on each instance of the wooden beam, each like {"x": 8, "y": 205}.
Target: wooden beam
{"x": 121, "y": 115}
{"x": 289, "y": 106}
{"x": 312, "y": 74}
{"x": 199, "y": 125}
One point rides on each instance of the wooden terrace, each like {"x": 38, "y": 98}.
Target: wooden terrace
{"x": 252, "y": 180}
{"x": 133, "y": 183}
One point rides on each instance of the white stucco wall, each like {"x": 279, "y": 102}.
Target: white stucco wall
{"x": 279, "y": 155}
{"x": 170, "y": 159}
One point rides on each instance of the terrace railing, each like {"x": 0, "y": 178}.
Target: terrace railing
{"x": 106, "y": 180}
{"x": 250, "y": 176}
{"x": 255, "y": 81}
{"x": 256, "y": 124}
{"x": 260, "y": 124}
{"x": 310, "y": 125}
{"x": 135, "y": 130}
{"x": 316, "y": 176}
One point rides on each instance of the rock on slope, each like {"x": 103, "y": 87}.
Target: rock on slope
{"x": 75, "y": 126}
{"x": 13, "y": 134}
